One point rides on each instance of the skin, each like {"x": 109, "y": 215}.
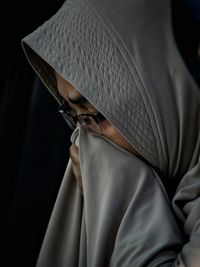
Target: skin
{"x": 71, "y": 94}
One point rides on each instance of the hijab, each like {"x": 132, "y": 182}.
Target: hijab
{"x": 122, "y": 57}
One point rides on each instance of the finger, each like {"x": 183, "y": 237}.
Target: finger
{"x": 78, "y": 177}
{"x": 74, "y": 155}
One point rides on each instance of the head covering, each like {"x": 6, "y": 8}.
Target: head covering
{"x": 122, "y": 56}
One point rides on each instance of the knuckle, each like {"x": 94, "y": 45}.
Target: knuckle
{"x": 74, "y": 155}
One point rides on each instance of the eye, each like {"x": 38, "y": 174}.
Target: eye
{"x": 101, "y": 117}
{"x": 87, "y": 120}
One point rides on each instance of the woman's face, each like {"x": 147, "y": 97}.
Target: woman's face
{"x": 80, "y": 105}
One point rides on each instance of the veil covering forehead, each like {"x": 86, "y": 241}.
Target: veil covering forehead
{"x": 121, "y": 55}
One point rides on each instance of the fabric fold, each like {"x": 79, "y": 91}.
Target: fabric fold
{"x": 123, "y": 218}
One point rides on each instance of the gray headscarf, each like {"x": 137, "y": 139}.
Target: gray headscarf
{"x": 122, "y": 56}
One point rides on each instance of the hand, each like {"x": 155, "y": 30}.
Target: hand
{"x": 74, "y": 155}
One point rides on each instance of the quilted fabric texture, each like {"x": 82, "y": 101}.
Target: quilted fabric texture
{"x": 76, "y": 44}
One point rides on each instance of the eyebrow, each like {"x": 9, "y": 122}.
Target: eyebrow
{"x": 78, "y": 100}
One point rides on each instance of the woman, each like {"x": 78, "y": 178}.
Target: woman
{"x": 135, "y": 134}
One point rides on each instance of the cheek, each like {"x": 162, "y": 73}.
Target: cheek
{"x": 117, "y": 138}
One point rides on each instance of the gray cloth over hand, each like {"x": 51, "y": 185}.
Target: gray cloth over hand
{"x": 122, "y": 219}
{"x": 121, "y": 55}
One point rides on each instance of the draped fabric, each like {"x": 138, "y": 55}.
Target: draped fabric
{"x": 119, "y": 218}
